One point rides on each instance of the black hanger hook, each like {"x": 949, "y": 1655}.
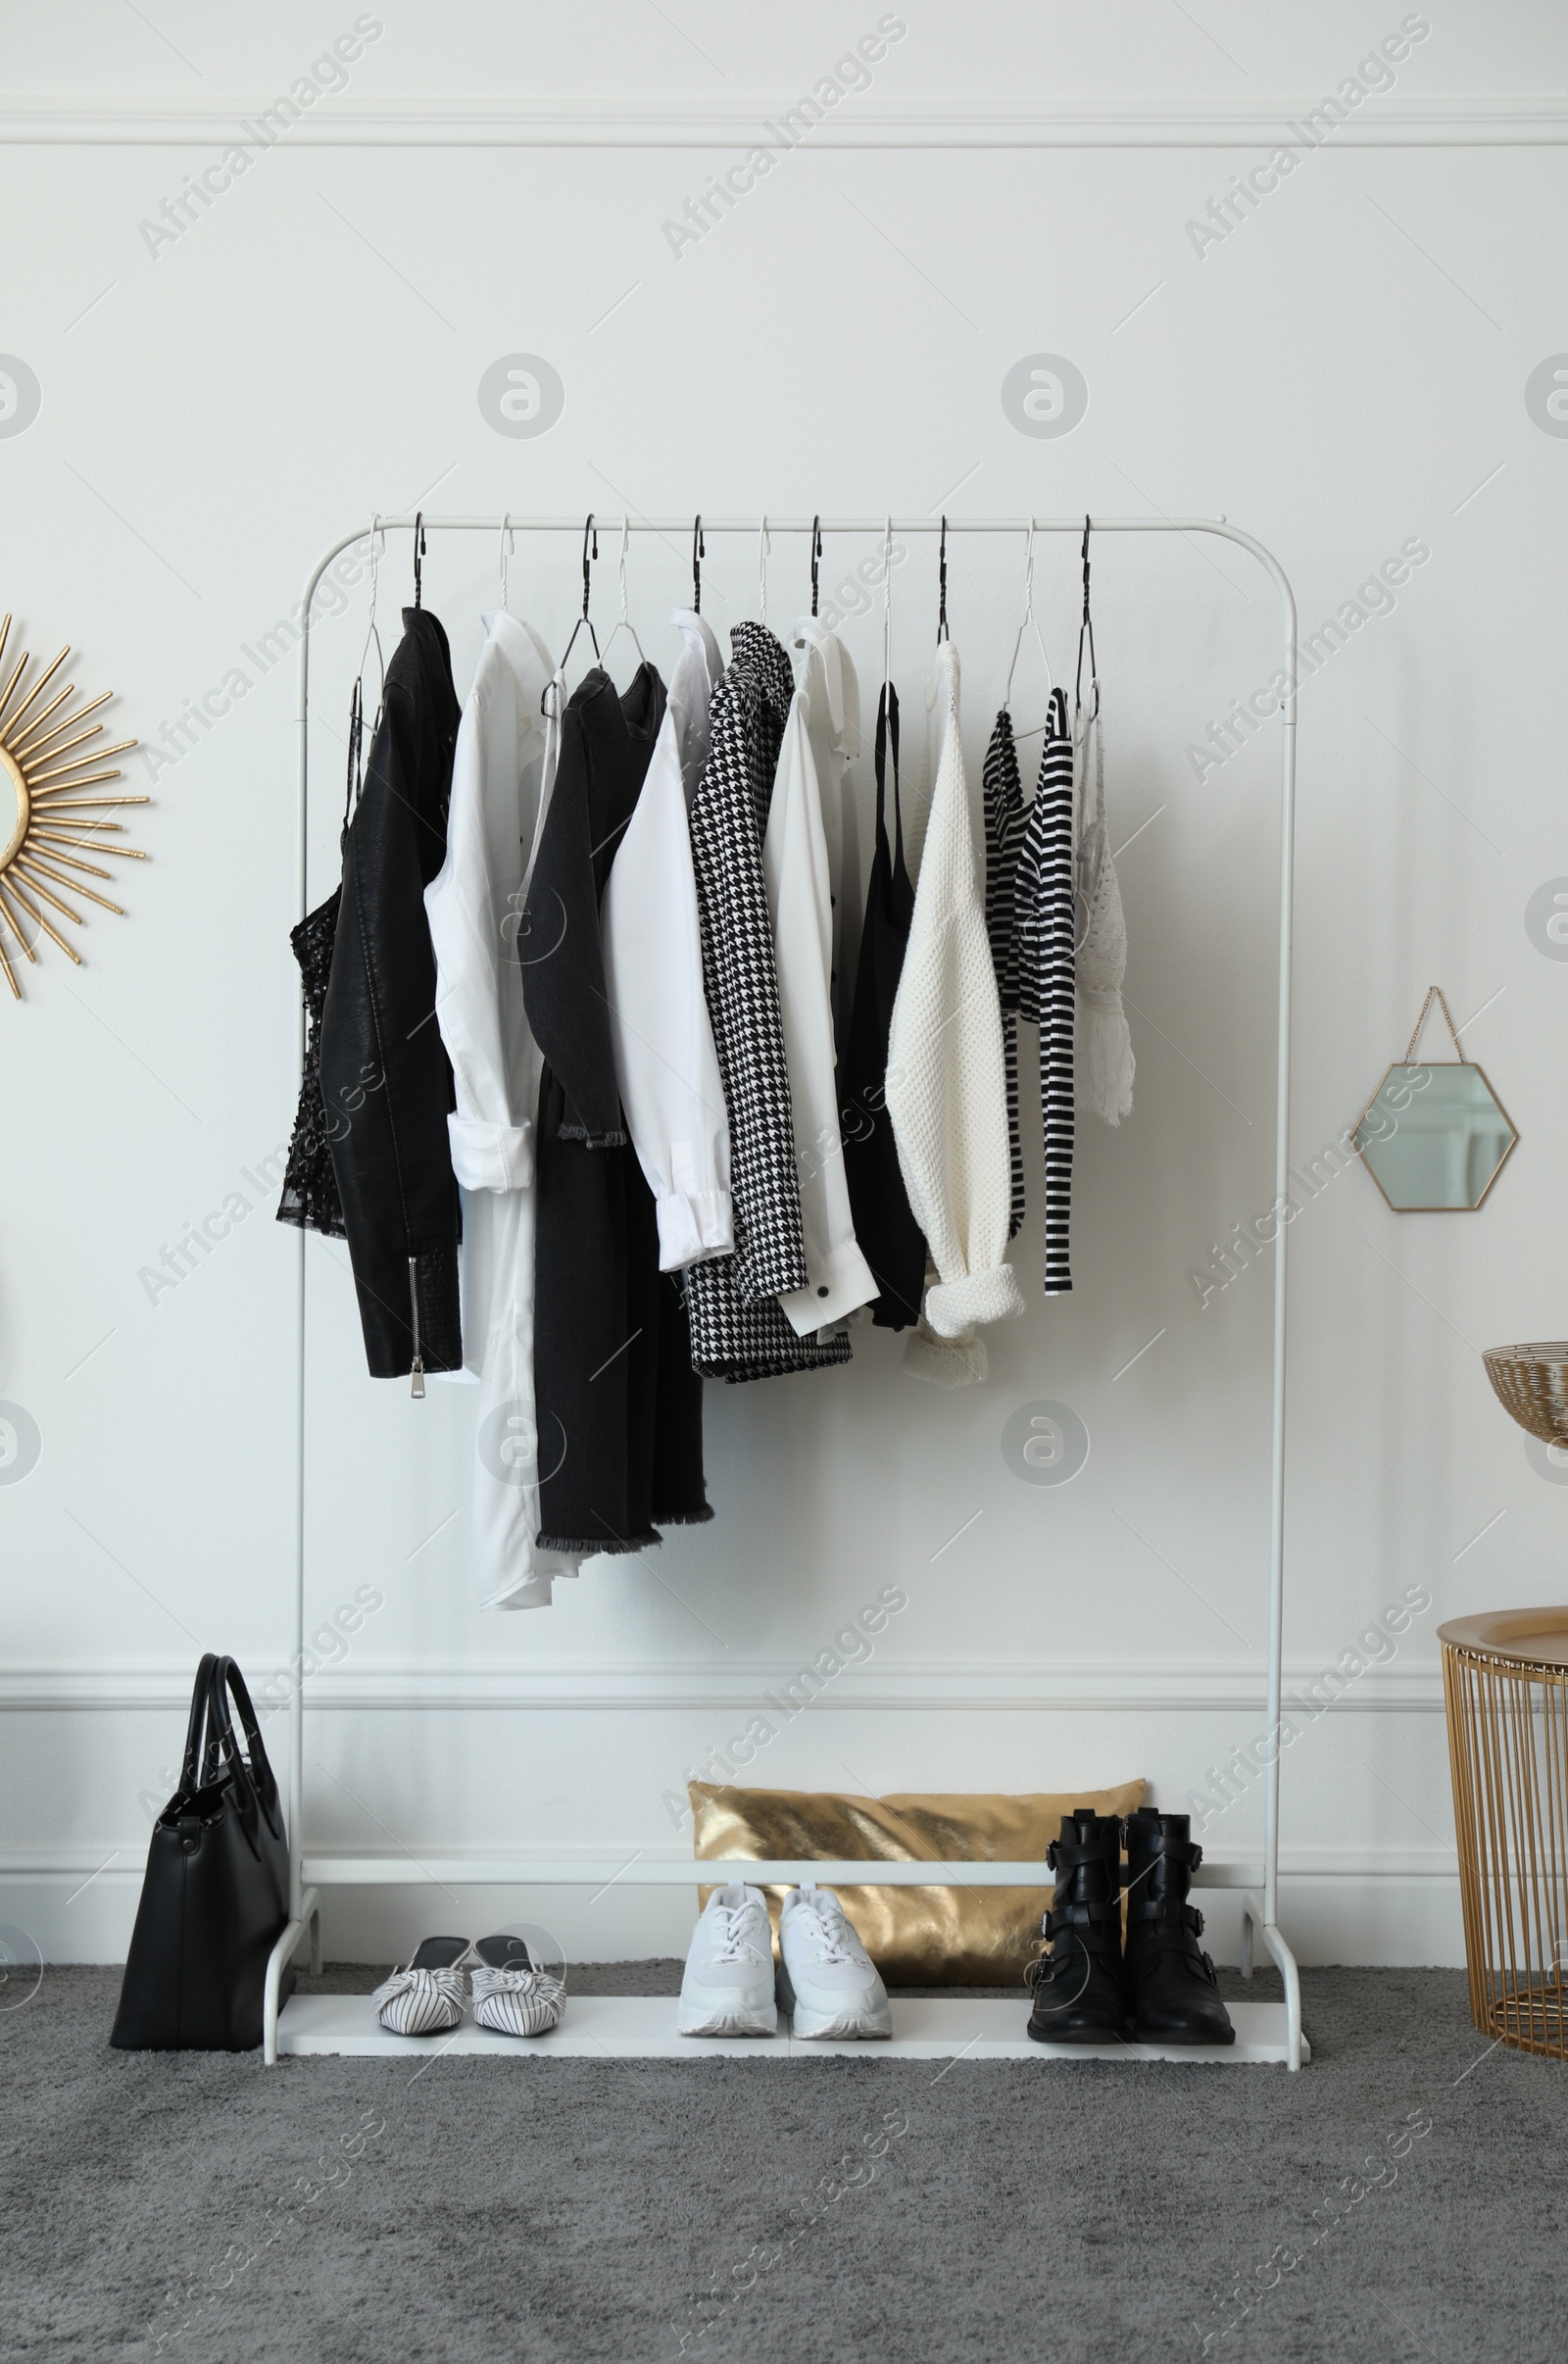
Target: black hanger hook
{"x": 590, "y": 532}
{"x": 588, "y": 528}
{"x": 941, "y": 587}
{"x": 418, "y": 556}
{"x": 699, "y": 553}
{"x": 1085, "y": 630}
{"x": 817, "y": 553}
{"x": 356, "y": 737}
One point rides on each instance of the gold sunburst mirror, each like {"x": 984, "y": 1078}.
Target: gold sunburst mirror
{"x": 50, "y": 820}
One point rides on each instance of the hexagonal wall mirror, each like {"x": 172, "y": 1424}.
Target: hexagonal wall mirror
{"x": 1435, "y": 1137}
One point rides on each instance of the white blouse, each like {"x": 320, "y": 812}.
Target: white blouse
{"x": 799, "y": 900}
{"x": 827, "y": 672}
{"x": 665, "y": 1064}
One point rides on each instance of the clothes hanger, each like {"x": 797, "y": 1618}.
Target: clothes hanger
{"x": 418, "y": 556}
{"x": 584, "y": 619}
{"x": 355, "y": 776}
{"x": 1089, "y": 823}
{"x": 623, "y": 623}
{"x": 887, "y": 715}
{"x": 372, "y": 632}
{"x": 1087, "y": 627}
{"x": 1025, "y": 620}
{"x": 942, "y": 583}
{"x": 764, "y": 543}
{"x": 507, "y": 545}
{"x": 699, "y": 553}
{"x": 799, "y": 640}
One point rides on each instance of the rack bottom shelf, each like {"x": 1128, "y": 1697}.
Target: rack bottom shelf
{"x": 642, "y": 2027}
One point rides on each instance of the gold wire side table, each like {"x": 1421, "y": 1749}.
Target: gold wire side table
{"x": 1505, "y": 1685}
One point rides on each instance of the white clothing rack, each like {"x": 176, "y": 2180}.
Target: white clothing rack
{"x": 641, "y": 2027}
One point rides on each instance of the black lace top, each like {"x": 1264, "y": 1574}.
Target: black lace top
{"x": 310, "y": 1186}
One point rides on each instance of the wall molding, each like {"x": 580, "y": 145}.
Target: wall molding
{"x": 978, "y": 1687}
{"x": 53, "y": 120}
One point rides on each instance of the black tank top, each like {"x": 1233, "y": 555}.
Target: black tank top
{"x": 887, "y": 1233}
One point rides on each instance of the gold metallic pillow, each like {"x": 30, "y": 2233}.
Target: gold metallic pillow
{"x": 918, "y": 1936}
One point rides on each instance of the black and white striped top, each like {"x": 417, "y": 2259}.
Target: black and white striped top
{"x": 1005, "y": 828}
{"x": 1044, "y": 933}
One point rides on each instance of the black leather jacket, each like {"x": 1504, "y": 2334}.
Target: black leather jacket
{"x": 385, "y": 1079}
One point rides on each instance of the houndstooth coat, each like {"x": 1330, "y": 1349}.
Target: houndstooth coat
{"x": 739, "y": 1330}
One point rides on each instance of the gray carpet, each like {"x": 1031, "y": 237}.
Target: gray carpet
{"x": 201, "y": 2206}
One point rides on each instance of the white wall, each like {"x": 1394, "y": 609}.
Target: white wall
{"x": 1343, "y": 375}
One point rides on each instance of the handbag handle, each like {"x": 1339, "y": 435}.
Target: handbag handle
{"x": 189, "y": 1778}
{"x": 253, "y": 1782}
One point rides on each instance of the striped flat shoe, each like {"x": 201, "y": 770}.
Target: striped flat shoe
{"x": 427, "y": 1998}
{"x": 510, "y": 1996}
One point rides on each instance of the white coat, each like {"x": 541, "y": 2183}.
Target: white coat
{"x": 947, "y": 1084}
{"x": 502, "y": 774}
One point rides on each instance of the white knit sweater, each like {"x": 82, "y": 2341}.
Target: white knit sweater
{"x": 945, "y": 1087}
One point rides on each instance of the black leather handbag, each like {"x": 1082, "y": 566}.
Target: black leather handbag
{"x": 214, "y": 1898}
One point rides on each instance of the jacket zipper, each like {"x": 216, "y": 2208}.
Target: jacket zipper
{"x": 418, "y": 1388}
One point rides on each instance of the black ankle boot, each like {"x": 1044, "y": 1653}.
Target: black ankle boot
{"x": 1079, "y": 1992}
{"x": 1172, "y": 1993}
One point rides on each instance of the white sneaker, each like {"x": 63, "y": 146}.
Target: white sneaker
{"x": 828, "y": 1980}
{"x": 728, "y": 1985}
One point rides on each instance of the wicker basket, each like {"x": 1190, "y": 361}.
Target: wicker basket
{"x": 1531, "y": 1383}
{"x": 1506, "y": 1683}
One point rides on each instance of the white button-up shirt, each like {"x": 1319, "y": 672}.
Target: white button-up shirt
{"x": 666, "y": 1067}
{"x": 502, "y": 774}
{"x": 798, "y": 874}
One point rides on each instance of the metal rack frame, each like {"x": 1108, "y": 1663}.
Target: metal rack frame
{"x": 309, "y": 1873}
